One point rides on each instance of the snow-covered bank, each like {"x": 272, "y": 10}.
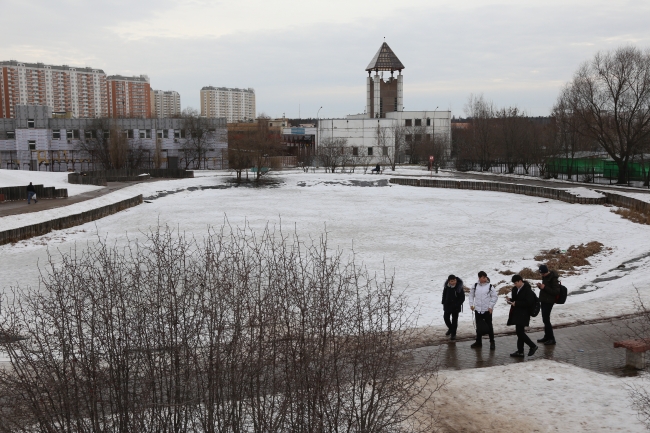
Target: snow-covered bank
{"x": 420, "y": 234}
{"x": 537, "y": 396}
{"x": 45, "y": 178}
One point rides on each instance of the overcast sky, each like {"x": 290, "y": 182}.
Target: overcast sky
{"x": 308, "y": 54}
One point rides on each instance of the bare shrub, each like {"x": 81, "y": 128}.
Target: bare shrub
{"x": 507, "y": 272}
{"x": 238, "y": 332}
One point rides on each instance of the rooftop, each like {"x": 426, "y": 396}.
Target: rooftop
{"x": 385, "y": 60}
{"x": 53, "y": 67}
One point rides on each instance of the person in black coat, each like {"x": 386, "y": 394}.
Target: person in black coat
{"x": 549, "y": 288}
{"x": 31, "y": 192}
{"x": 522, "y": 301}
{"x": 453, "y": 297}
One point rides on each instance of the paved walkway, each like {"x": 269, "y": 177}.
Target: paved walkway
{"x": 588, "y": 346}
{"x": 17, "y": 207}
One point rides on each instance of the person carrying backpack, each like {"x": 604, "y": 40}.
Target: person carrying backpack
{"x": 31, "y": 193}
{"x": 522, "y": 302}
{"x": 549, "y": 288}
{"x": 482, "y": 299}
{"x": 453, "y": 297}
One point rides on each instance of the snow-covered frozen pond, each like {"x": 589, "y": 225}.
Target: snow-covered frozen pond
{"x": 420, "y": 234}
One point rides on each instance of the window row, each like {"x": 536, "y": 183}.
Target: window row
{"x": 418, "y": 122}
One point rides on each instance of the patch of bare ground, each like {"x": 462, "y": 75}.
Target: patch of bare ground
{"x": 633, "y": 215}
{"x": 505, "y": 290}
{"x": 460, "y": 410}
{"x": 564, "y": 262}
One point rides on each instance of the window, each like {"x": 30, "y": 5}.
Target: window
{"x": 56, "y": 134}
{"x": 182, "y": 133}
{"x": 32, "y": 144}
{"x": 370, "y": 151}
{"x": 11, "y": 135}
{"x": 159, "y": 133}
{"x": 90, "y": 134}
{"x": 30, "y": 123}
{"x": 408, "y": 137}
{"x": 428, "y": 122}
{"x": 408, "y": 122}
{"x": 145, "y": 133}
{"x": 355, "y": 151}
{"x": 107, "y": 134}
{"x": 385, "y": 150}
{"x": 418, "y": 122}
{"x": 129, "y": 133}
{"x": 165, "y": 133}
{"x": 177, "y": 133}
{"x": 72, "y": 133}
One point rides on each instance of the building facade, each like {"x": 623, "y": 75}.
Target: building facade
{"x": 236, "y": 105}
{"x": 128, "y": 97}
{"x": 80, "y": 91}
{"x": 165, "y": 103}
{"x": 385, "y": 132}
{"x": 34, "y": 140}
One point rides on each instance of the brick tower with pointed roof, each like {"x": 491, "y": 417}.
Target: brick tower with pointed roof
{"x": 384, "y": 96}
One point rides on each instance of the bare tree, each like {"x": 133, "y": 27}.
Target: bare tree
{"x": 200, "y": 136}
{"x": 481, "y": 113}
{"x": 243, "y": 331}
{"x": 610, "y": 95}
{"x": 330, "y": 152}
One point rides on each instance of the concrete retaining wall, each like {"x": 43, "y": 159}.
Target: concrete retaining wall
{"x": 100, "y": 177}
{"x": 32, "y": 230}
{"x": 536, "y": 191}
{"x": 627, "y": 202}
{"x": 20, "y": 192}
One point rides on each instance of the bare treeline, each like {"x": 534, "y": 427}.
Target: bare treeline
{"x": 238, "y": 332}
{"x": 605, "y": 108}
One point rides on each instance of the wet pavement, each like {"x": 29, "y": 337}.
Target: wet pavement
{"x": 588, "y": 346}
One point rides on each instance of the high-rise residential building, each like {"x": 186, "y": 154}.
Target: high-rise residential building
{"x": 236, "y": 105}
{"x": 165, "y": 103}
{"x": 80, "y": 91}
{"x": 128, "y": 96}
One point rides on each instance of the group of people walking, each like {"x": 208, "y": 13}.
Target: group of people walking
{"x": 483, "y": 298}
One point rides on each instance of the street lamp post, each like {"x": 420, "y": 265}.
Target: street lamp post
{"x": 318, "y": 128}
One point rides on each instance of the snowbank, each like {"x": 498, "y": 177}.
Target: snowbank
{"x": 584, "y": 192}
{"x": 551, "y": 397}
{"x": 45, "y": 178}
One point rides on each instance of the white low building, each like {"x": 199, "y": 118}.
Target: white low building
{"x": 386, "y": 132}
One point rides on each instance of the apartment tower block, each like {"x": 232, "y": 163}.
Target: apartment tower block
{"x": 165, "y": 103}
{"x": 236, "y": 105}
{"x": 79, "y": 91}
{"x": 129, "y": 97}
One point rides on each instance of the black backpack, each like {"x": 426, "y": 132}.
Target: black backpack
{"x": 561, "y": 298}
{"x": 534, "y": 310}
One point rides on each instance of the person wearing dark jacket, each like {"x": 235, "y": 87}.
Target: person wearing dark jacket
{"x": 453, "y": 297}
{"x": 549, "y": 288}
{"x": 523, "y": 299}
{"x": 31, "y": 192}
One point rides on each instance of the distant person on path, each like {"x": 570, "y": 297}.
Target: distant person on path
{"x": 453, "y": 297}
{"x": 549, "y": 288}
{"x": 376, "y": 169}
{"x": 482, "y": 299}
{"x": 31, "y": 192}
{"x": 523, "y": 299}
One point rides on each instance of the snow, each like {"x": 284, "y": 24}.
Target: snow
{"x": 45, "y": 178}
{"x": 584, "y": 192}
{"x": 420, "y": 234}
{"x": 637, "y": 195}
{"x": 520, "y": 397}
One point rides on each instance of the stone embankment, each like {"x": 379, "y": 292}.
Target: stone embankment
{"x": 100, "y": 177}
{"x": 20, "y": 192}
{"x": 536, "y": 191}
{"x": 31, "y": 230}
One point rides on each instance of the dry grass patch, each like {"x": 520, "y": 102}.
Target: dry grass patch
{"x": 505, "y": 290}
{"x": 633, "y": 215}
{"x": 506, "y": 272}
{"x": 575, "y": 257}
{"x": 529, "y": 274}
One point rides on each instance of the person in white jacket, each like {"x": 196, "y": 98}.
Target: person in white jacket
{"x": 482, "y": 299}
